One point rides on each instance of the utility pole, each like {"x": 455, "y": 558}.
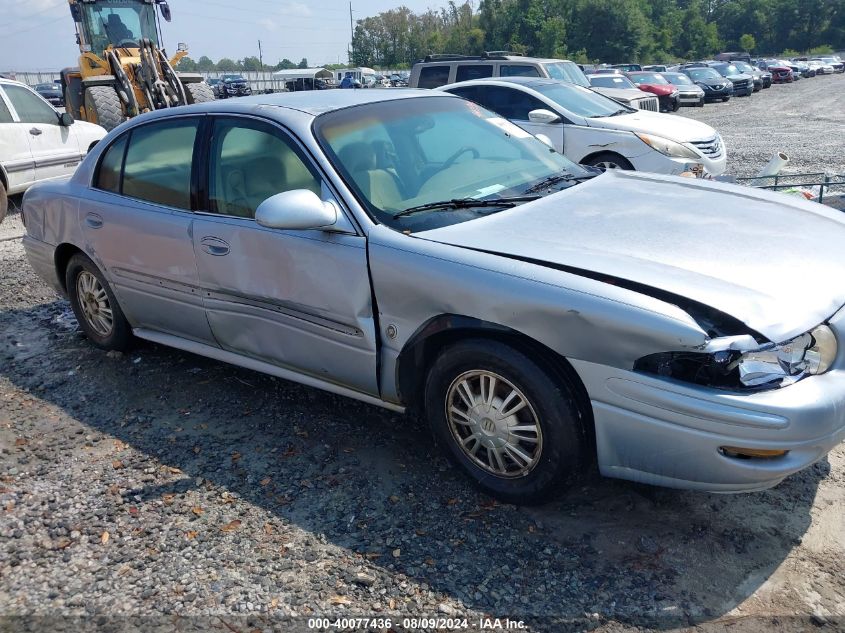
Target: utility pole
{"x": 260, "y": 57}
{"x": 351, "y": 36}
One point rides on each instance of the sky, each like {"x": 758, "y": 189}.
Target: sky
{"x": 39, "y": 34}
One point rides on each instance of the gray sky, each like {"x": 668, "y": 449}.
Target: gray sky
{"x": 38, "y": 34}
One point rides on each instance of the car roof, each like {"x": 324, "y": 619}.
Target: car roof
{"x": 526, "y": 82}
{"x": 311, "y": 102}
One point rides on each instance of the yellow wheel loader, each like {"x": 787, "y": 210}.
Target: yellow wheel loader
{"x": 122, "y": 70}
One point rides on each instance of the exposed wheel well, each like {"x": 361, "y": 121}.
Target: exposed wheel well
{"x": 423, "y": 348}
{"x": 4, "y": 180}
{"x": 590, "y": 157}
{"x": 63, "y": 254}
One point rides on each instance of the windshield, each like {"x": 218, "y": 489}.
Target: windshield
{"x": 403, "y": 153}
{"x": 678, "y": 79}
{"x": 648, "y": 78}
{"x": 232, "y": 78}
{"x": 567, "y": 71}
{"x": 41, "y": 87}
{"x": 580, "y": 101}
{"x": 118, "y": 23}
{"x": 703, "y": 74}
{"x": 743, "y": 67}
{"x": 611, "y": 81}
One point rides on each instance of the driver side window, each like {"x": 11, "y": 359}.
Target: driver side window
{"x": 250, "y": 162}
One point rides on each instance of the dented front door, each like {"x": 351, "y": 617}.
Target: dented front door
{"x": 299, "y": 299}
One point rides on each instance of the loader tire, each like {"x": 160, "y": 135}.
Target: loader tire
{"x": 199, "y": 93}
{"x": 103, "y": 107}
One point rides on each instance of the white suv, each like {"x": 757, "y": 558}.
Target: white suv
{"x": 439, "y": 70}
{"x": 36, "y": 141}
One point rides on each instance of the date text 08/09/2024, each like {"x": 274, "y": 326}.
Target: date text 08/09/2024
{"x": 416, "y": 624}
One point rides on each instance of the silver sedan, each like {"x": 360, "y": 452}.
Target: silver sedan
{"x": 418, "y": 252}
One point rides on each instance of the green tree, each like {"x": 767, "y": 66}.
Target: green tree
{"x": 227, "y": 65}
{"x": 747, "y": 42}
{"x": 285, "y": 64}
{"x": 186, "y": 64}
{"x": 303, "y": 63}
{"x": 251, "y": 64}
{"x": 205, "y": 64}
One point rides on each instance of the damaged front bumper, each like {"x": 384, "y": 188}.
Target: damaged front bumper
{"x": 665, "y": 433}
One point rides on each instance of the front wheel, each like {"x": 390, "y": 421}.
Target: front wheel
{"x": 514, "y": 429}
{"x": 103, "y": 107}
{"x": 609, "y": 160}
{"x": 95, "y": 306}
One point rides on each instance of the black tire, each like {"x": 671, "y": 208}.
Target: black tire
{"x": 103, "y": 107}
{"x": 120, "y": 334}
{"x": 700, "y": 104}
{"x": 199, "y": 93}
{"x": 605, "y": 158}
{"x": 561, "y": 455}
{"x": 4, "y": 201}
{"x": 725, "y": 99}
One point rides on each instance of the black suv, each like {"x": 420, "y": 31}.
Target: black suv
{"x": 232, "y": 86}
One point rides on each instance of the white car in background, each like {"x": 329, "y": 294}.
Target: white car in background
{"x": 591, "y": 129}
{"x": 36, "y": 141}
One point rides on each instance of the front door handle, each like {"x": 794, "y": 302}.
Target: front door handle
{"x": 35, "y": 131}
{"x": 214, "y": 246}
{"x": 94, "y": 221}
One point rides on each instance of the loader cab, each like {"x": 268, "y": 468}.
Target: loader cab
{"x": 115, "y": 23}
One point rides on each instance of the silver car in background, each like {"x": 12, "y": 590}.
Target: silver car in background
{"x": 415, "y": 251}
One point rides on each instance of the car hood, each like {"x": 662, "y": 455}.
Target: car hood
{"x": 740, "y": 77}
{"x": 721, "y": 81}
{"x": 659, "y": 90}
{"x": 676, "y": 128}
{"x": 622, "y": 94}
{"x": 765, "y": 258}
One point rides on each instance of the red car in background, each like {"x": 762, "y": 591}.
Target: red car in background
{"x": 780, "y": 74}
{"x": 658, "y": 85}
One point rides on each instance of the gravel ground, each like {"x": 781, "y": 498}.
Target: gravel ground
{"x": 806, "y": 120}
{"x": 159, "y": 484}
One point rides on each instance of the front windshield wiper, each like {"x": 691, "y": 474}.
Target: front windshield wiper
{"x": 556, "y": 178}
{"x": 464, "y": 203}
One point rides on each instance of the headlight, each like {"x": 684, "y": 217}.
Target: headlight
{"x": 769, "y": 367}
{"x": 667, "y": 147}
{"x": 808, "y": 354}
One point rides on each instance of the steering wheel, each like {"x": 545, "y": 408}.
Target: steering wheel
{"x": 454, "y": 157}
{"x": 127, "y": 44}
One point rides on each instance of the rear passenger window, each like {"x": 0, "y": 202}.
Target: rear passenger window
{"x": 468, "y": 72}
{"x": 251, "y": 162}
{"x": 108, "y": 177}
{"x": 433, "y": 76}
{"x": 518, "y": 70}
{"x": 158, "y": 163}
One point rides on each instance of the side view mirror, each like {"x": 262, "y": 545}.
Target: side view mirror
{"x": 65, "y": 119}
{"x": 165, "y": 10}
{"x": 543, "y": 116}
{"x": 298, "y": 209}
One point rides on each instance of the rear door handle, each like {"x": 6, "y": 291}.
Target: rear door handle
{"x": 35, "y": 131}
{"x": 214, "y": 246}
{"x": 94, "y": 221}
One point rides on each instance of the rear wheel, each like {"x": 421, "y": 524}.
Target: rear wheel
{"x": 199, "y": 93}
{"x": 4, "y": 201}
{"x": 609, "y": 160}
{"x": 103, "y": 107}
{"x": 95, "y": 306}
{"x": 508, "y": 424}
